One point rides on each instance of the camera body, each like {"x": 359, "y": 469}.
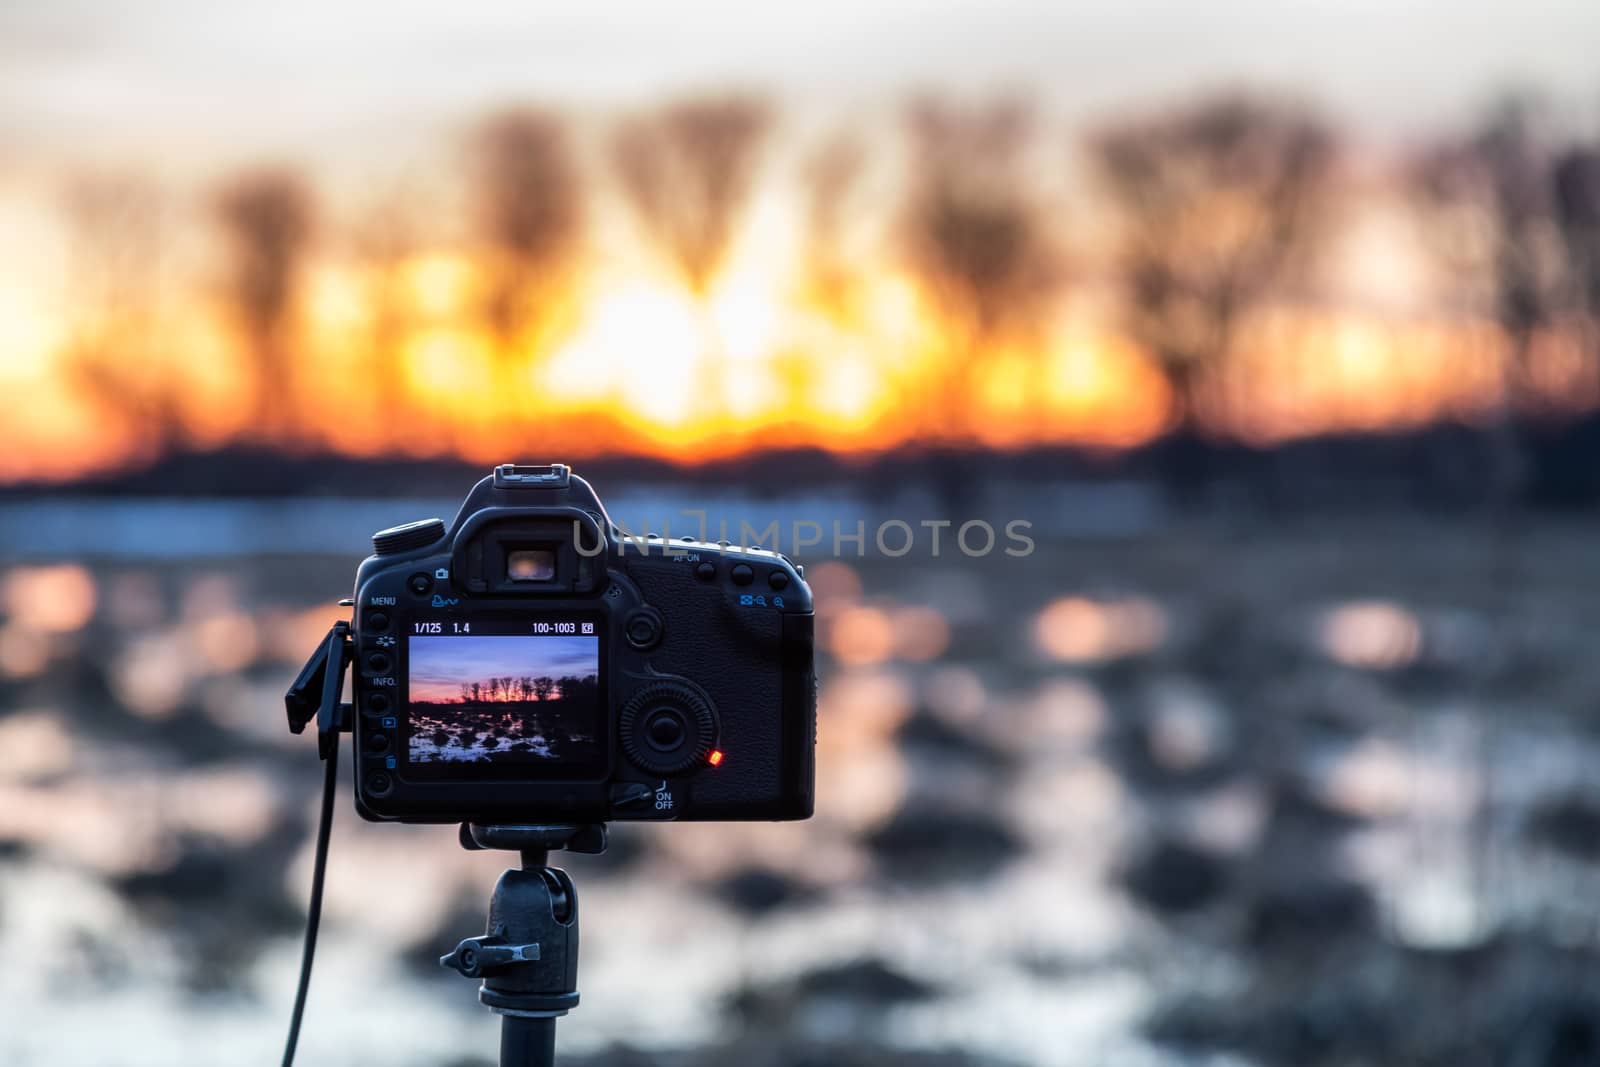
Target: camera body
{"x": 529, "y": 663}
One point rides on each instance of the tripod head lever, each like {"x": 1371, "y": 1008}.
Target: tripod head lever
{"x": 489, "y": 955}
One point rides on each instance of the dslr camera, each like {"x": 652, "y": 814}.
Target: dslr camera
{"x": 532, "y": 663}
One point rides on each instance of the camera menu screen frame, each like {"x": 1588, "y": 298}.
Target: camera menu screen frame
{"x": 506, "y": 698}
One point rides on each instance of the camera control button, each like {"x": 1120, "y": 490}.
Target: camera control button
{"x": 378, "y": 703}
{"x": 378, "y": 663}
{"x": 778, "y": 580}
{"x": 377, "y": 621}
{"x": 379, "y": 783}
{"x": 664, "y": 731}
{"x": 705, "y": 571}
{"x": 742, "y": 574}
{"x": 420, "y": 583}
{"x": 378, "y": 742}
{"x": 643, "y": 628}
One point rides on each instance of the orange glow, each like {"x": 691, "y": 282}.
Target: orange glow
{"x": 1079, "y": 630}
{"x": 57, "y": 599}
{"x": 862, "y": 636}
{"x": 715, "y": 759}
{"x": 921, "y": 633}
{"x": 635, "y": 361}
{"x": 1373, "y": 634}
{"x": 23, "y": 652}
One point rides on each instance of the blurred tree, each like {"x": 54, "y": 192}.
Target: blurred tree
{"x": 686, "y": 171}
{"x": 384, "y": 241}
{"x": 529, "y": 211}
{"x": 118, "y": 352}
{"x": 1577, "y": 199}
{"x": 975, "y": 237}
{"x": 830, "y": 273}
{"x": 1217, "y": 206}
{"x": 1487, "y": 214}
{"x": 831, "y": 176}
{"x": 1515, "y": 224}
{"x": 266, "y": 218}
{"x": 543, "y": 687}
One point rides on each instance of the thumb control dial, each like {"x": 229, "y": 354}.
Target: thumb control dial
{"x": 667, "y": 727}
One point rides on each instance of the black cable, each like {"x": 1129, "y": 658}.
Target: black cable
{"x": 319, "y": 870}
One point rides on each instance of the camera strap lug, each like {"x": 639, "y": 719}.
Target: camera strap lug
{"x": 316, "y": 691}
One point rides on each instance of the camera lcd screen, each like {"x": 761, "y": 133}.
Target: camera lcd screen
{"x": 505, "y": 699}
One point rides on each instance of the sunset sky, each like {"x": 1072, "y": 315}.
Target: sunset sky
{"x": 440, "y": 665}
{"x": 372, "y": 103}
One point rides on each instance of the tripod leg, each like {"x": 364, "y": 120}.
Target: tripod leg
{"x": 526, "y": 1042}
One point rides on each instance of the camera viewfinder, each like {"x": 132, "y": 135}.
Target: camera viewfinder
{"x": 531, "y": 564}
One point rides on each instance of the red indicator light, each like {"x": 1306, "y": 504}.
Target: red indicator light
{"x": 716, "y": 757}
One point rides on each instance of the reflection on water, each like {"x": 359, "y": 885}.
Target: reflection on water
{"x": 1133, "y": 801}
